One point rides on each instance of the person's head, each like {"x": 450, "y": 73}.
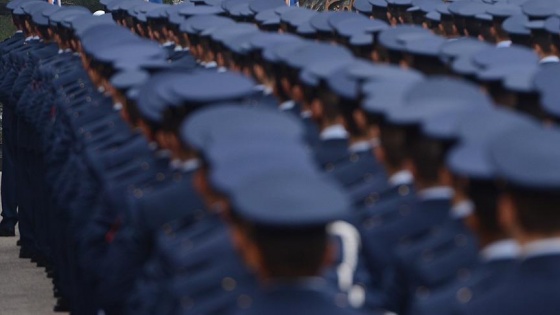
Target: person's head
{"x": 526, "y": 162}
{"x": 270, "y": 242}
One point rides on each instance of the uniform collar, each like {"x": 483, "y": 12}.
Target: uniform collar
{"x": 264, "y": 89}
{"x": 335, "y": 131}
{"x": 287, "y": 105}
{"x": 222, "y": 69}
{"x": 462, "y": 209}
{"x": 544, "y": 247}
{"x": 438, "y": 192}
{"x": 360, "y": 146}
{"x": 504, "y": 44}
{"x": 549, "y": 59}
{"x": 402, "y": 177}
{"x": 210, "y": 64}
{"x": 117, "y": 106}
{"x": 305, "y": 114}
{"x": 185, "y": 166}
{"x": 179, "y": 48}
{"x": 504, "y": 249}
{"x": 168, "y": 44}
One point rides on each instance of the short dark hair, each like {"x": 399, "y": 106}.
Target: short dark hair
{"x": 428, "y": 154}
{"x": 537, "y": 210}
{"x": 288, "y": 252}
{"x": 393, "y": 142}
{"x": 484, "y": 194}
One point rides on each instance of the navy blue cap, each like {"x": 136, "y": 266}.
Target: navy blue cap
{"x": 503, "y": 10}
{"x": 520, "y": 80}
{"x": 278, "y": 53}
{"x": 142, "y": 62}
{"x": 515, "y": 25}
{"x": 361, "y": 40}
{"x": 212, "y": 87}
{"x": 296, "y": 17}
{"x": 350, "y": 27}
{"x": 306, "y": 30}
{"x": 468, "y": 9}
{"x": 540, "y": 9}
{"x": 203, "y": 127}
{"x": 433, "y": 16}
{"x": 200, "y": 10}
{"x": 500, "y": 72}
{"x": 452, "y": 49}
{"x": 159, "y": 12}
{"x": 262, "y": 40}
{"x": 321, "y": 69}
{"x": 506, "y": 55}
{"x": 290, "y": 200}
{"x": 29, "y": 8}
{"x": 434, "y": 96}
{"x": 471, "y": 160}
{"x": 258, "y": 6}
{"x": 321, "y": 21}
{"x": 474, "y": 127}
{"x": 367, "y": 71}
{"x": 389, "y": 38}
{"x": 550, "y": 101}
{"x": 57, "y": 17}
{"x": 547, "y": 77}
{"x": 378, "y": 3}
{"x": 97, "y": 38}
{"x": 127, "y": 79}
{"x": 173, "y": 13}
{"x": 241, "y": 10}
{"x": 82, "y": 24}
{"x": 17, "y": 3}
{"x": 240, "y": 44}
{"x": 266, "y": 15}
{"x": 464, "y": 65}
{"x": 362, "y": 6}
{"x": 233, "y": 163}
{"x": 340, "y": 16}
{"x": 138, "y": 49}
{"x": 444, "y": 125}
{"x": 425, "y": 45}
{"x": 528, "y": 157}
{"x": 40, "y": 19}
{"x": 228, "y": 4}
{"x": 383, "y": 95}
{"x": 317, "y": 51}
{"x": 156, "y": 95}
{"x": 426, "y": 5}
{"x": 552, "y": 25}
{"x": 201, "y": 23}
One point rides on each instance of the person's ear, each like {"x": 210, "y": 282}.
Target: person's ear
{"x": 380, "y": 154}
{"x": 329, "y": 255}
{"x": 507, "y": 215}
{"x": 316, "y": 109}
{"x": 360, "y": 119}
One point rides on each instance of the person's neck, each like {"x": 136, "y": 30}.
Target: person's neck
{"x": 525, "y": 238}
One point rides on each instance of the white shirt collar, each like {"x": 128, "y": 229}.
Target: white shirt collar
{"x": 179, "y": 48}
{"x": 287, "y": 105}
{"x": 504, "y": 249}
{"x": 28, "y": 38}
{"x": 264, "y": 89}
{"x": 167, "y": 44}
{"x": 117, "y": 106}
{"x": 438, "y": 192}
{"x": 222, "y": 69}
{"x": 185, "y": 166}
{"x": 402, "y": 177}
{"x": 360, "y": 146}
{"x": 19, "y": 31}
{"x": 462, "y": 209}
{"x": 504, "y": 44}
{"x": 101, "y": 89}
{"x": 335, "y": 131}
{"x": 305, "y": 114}
{"x": 211, "y": 64}
{"x": 549, "y": 59}
{"x": 544, "y": 247}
